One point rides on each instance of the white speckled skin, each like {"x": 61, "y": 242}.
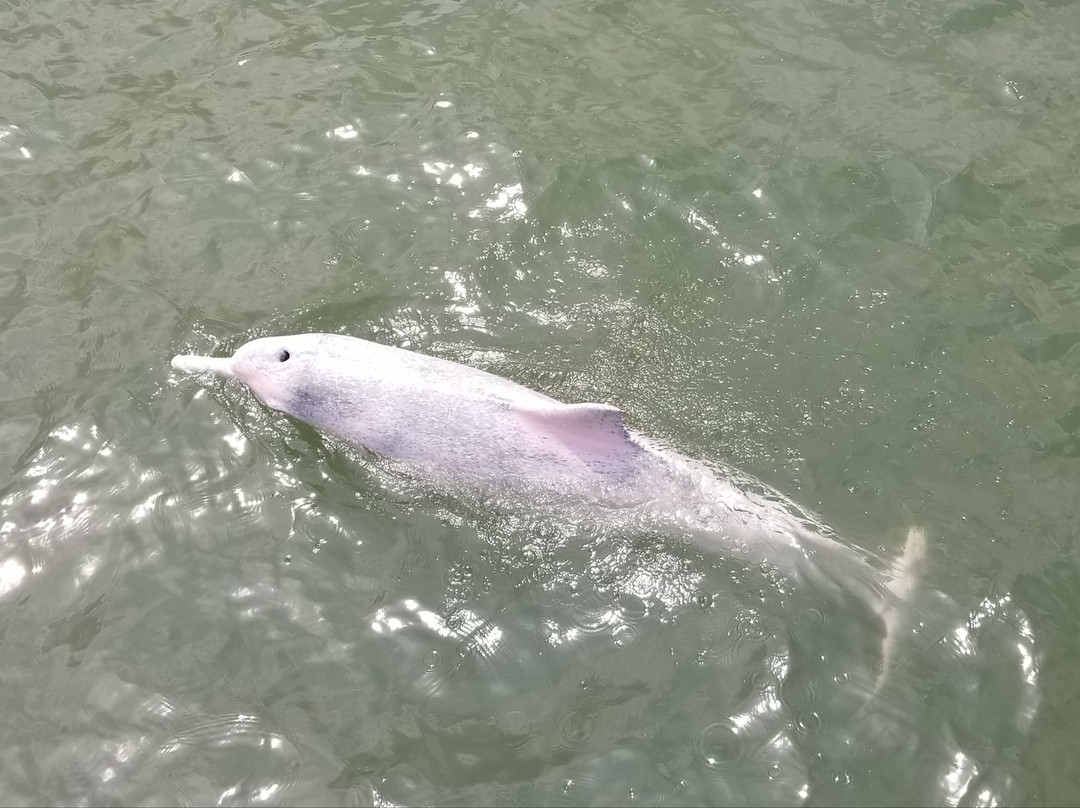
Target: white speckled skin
{"x": 442, "y": 416}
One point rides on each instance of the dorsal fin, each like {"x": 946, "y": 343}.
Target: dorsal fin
{"x": 594, "y": 432}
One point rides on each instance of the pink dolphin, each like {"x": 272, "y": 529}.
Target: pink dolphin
{"x": 454, "y": 421}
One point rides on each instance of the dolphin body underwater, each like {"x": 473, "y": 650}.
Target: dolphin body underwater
{"x": 451, "y": 422}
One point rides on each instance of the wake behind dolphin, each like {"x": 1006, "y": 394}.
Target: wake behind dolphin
{"x": 447, "y": 420}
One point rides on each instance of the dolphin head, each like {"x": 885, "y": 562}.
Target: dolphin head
{"x": 272, "y": 367}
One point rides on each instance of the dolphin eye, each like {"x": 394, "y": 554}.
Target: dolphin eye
{"x": 283, "y": 355}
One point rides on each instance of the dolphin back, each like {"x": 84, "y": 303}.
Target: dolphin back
{"x": 443, "y": 415}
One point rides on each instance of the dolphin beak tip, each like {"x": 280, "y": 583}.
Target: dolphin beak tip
{"x": 188, "y": 363}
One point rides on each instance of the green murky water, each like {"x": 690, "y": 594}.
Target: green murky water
{"x": 834, "y": 244}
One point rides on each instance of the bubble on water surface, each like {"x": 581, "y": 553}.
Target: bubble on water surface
{"x": 721, "y": 746}
{"x": 623, "y": 635}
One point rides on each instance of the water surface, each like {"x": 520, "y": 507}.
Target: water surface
{"x": 833, "y": 244}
